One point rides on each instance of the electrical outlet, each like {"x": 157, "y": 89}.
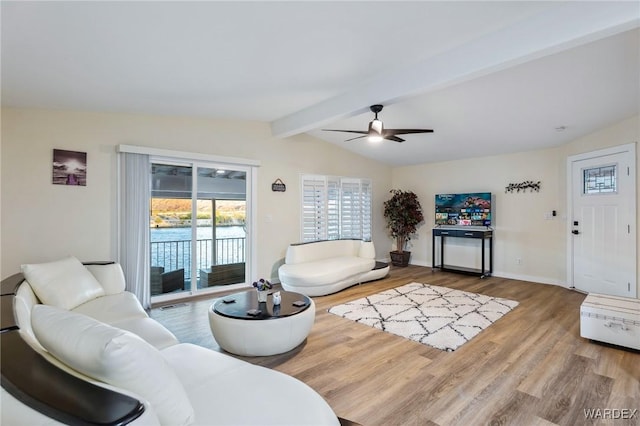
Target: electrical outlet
{"x": 518, "y": 261}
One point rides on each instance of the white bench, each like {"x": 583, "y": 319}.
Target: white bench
{"x": 611, "y": 319}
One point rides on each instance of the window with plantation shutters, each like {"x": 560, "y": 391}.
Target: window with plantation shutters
{"x": 335, "y": 207}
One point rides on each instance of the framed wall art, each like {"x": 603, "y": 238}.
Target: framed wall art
{"x": 69, "y": 167}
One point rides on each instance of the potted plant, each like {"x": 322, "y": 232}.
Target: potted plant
{"x": 403, "y": 214}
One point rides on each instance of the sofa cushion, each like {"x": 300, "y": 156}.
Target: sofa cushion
{"x": 324, "y": 271}
{"x": 317, "y": 250}
{"x": 227, "y": 391}
{"x": 112, "y": 308}
{"x": 64, "y": 283}
{"x": 367, "y": 250}
{"x": 150, "y": 330}
{"x": 110, "y": 277}
{"x": 114, "y": 356}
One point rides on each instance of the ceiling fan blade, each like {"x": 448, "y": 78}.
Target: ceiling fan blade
{"x": 393, "y": 138}
{"x": 362, "y": 132}
{"x": 357, "y": 137}
{"x": 406, "y": 131}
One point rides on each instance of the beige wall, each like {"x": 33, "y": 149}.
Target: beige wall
{"x": 521, "y": 230}
{"x": 42, "y": 221}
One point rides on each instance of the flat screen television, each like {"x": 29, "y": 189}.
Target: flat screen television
{"x": 469, "y": 209}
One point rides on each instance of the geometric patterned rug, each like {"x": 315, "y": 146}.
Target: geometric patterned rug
{"x": 436, "y": 316}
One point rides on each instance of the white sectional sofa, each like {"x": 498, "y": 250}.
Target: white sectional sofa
{"x": 81, "y": 350}
{"x": 324, "y": 267}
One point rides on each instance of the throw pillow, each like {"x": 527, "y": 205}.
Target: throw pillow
{"x": 110, "y": 276}
{"x": 64, "y": 283}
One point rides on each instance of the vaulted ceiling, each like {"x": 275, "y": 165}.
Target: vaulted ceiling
{"x": 488, "y": 77}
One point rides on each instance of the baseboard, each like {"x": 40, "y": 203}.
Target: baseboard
{"x": 500, "y": 274}
{"x": 530, "y": 278}
{"x": 420, "y": 263}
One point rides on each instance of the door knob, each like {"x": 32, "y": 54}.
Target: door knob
{"x": 575, "y": 232}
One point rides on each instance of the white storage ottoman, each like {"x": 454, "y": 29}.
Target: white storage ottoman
{"x": 611, "y": 319}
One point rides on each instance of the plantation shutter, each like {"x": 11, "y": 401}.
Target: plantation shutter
{"x": 350, "y": 211}
{"x": 355, "y": 209}
{"x": 334, "y": 208}
{"x": 365, "y": 197}
{"x": 313, "y": 208}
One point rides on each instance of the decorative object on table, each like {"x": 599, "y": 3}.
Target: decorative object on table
{"x": 523, "y": 186}
{"x": 278, "y": 186}
{"x": 69, "y": 168}
{"x": 277, "y": 298}
{"x": 262, "y": 286}
{"x": 441, "y": 317}
{"x": 403, "y": 213}
{"x": 262, "y": 295}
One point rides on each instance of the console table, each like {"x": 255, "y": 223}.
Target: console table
{"x": 442, "y": 234}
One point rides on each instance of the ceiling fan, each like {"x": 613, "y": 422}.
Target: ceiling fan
{"x": 377, "y": 132}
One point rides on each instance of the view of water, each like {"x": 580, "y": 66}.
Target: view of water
{"x": 171, "y": 247}
{"x": 204, "y": 233}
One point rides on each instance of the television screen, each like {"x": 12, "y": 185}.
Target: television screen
{"x": 471, "y": 209}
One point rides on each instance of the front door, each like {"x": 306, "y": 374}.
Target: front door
{"x": 603, "y": 222}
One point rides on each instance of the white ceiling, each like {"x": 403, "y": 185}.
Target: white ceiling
{"x": 488, "y": 77}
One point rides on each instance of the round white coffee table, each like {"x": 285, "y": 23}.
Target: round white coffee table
{"x": 239, "y": 328}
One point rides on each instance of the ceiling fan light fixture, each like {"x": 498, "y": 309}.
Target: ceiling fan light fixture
{"x": 375, "y": 131}
{"x": 375, "y": 126}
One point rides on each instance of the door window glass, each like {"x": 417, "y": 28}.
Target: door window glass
{"x": 599, "y": 180}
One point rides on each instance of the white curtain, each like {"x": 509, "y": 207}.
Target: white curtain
{"x": 135, "y": 193}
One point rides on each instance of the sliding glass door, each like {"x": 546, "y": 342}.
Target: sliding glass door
{"x": 170, "y": 228}
{"x": 221, "y": 230}
{"x": 198, "y": 228}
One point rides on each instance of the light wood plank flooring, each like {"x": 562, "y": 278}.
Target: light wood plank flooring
{"x": 529, "y": 368}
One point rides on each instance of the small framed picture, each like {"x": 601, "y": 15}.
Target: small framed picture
{"x": 69, "y": 167}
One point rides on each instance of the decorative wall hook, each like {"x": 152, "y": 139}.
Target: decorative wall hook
{"x": 523, "y": 186}
{"x": 278, "y": 186}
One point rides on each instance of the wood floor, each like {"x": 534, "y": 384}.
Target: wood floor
{"x": 529, "y": 368}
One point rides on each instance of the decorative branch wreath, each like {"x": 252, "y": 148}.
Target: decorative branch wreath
{"x": 523, "y": 186}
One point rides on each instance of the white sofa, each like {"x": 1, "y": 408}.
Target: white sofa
{"x": 324, "y": 267}
{"x": 91, "y": 354}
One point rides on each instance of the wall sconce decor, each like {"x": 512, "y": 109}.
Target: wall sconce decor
{"x": 523, "y": 186}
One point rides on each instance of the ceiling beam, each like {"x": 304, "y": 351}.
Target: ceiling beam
{"x": 562, "y": 26}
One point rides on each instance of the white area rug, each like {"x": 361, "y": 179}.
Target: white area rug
{"x": 436, "y": 316}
